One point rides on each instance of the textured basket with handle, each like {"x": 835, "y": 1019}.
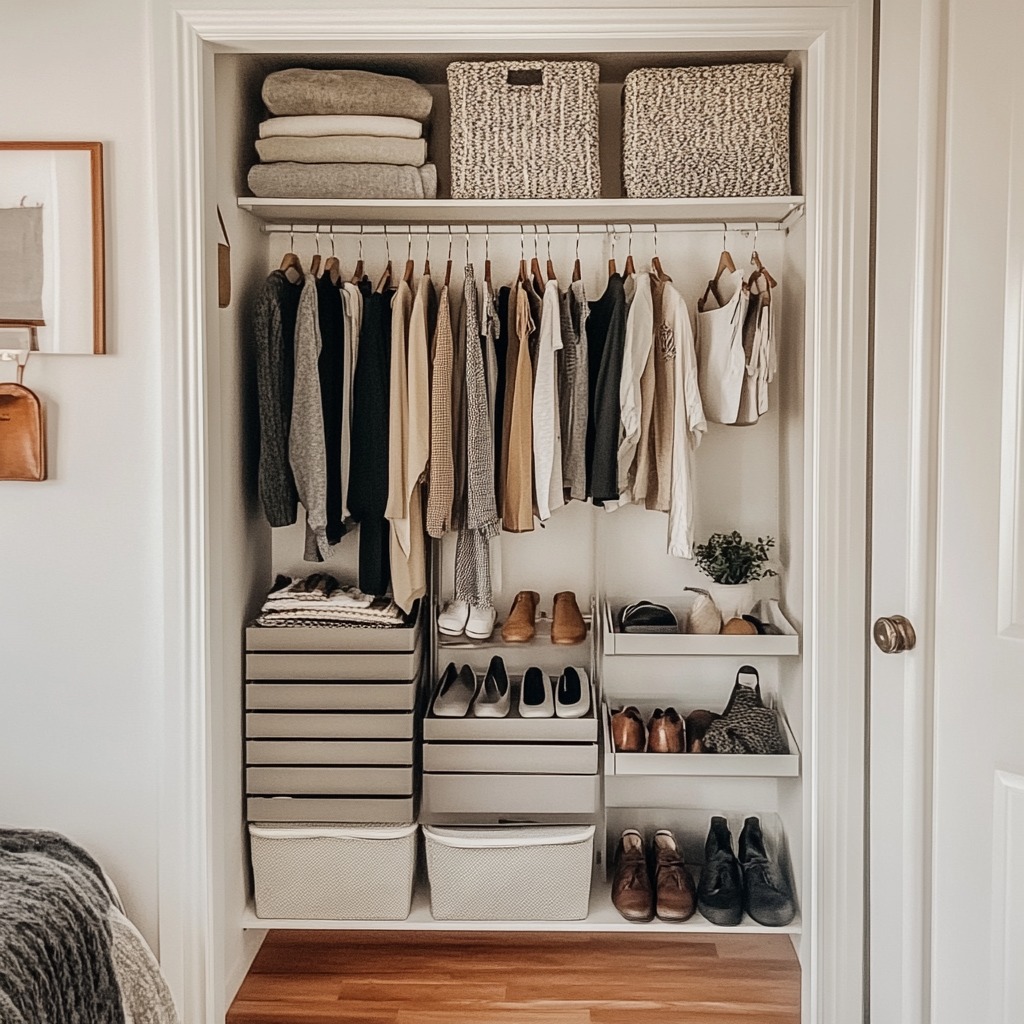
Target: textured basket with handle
{"x": 524, "y": 129}
{"x": 519, "y": 873}
{"x": 324, "y": 873}
{"x": 706, "y": 132}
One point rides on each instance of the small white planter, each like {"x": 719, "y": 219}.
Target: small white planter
{"x": 733, "y": 599}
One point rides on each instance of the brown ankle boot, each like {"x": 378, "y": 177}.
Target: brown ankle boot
{"x": 632, "y": 892}
{"x": 519, "y": 627}
{"x": 567, "y": 625}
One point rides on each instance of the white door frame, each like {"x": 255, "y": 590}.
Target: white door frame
{"x": 837, "y": 36}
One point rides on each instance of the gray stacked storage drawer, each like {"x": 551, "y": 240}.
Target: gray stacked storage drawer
{"x": 330, "y": 723}
{"x": 514, "y": 769}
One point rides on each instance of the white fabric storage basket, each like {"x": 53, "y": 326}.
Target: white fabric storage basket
{"x": 325, "y": 873}
{"x": 533, "y": 873}
{"x": 706, "y": 132}
{"x": 524, "y": 129}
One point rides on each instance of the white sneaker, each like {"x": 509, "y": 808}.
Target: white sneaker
{"x": 480, "y": 624}
{"x": 572, "y": 694}
{"x": 452, "y": 618}
{"x": 535, "y": 697}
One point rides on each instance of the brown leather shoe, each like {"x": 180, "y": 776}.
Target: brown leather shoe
{"x": 632, "y": 895}
{"x": 567, "y": 625}
{"x": 666, "y": 732}
{"x": 519, "y": 627}
{"x": 676, "y": 895}
{"x": 628, "y": 733}
{"x": 697, "y": 723}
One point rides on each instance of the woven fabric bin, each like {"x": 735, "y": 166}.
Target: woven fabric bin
{"x": 340, "y": 873}
{"x": 706, "y": 132}
{"x": 524, "y": 129}
{"x": 532, "y": 873}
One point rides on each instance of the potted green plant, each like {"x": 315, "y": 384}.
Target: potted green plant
{"x": 733, "y": 564}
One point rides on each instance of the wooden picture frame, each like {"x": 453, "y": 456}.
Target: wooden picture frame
{"x": 58, "y": 251}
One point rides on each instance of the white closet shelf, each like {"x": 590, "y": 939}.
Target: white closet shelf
{"x": 707, "y": 765}
{"x": 618, "y": 644}
{"x": 603, "y": 917}
{"x": 773, "y": 210}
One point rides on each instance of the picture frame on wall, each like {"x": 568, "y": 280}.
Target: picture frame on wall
{"x": 52, "y": 261}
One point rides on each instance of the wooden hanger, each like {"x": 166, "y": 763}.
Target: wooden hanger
{"x": 761, "y": 271}
{"x": 655, "y": 260}
{"x": 725, "y": 263}
{"x": 535, "y": 271}
{"x": 357, "y": 274}
{"x": 487, "y": 253}
{"x": 385, "y": 278}
{"x": 576, "y": 274}
{"x": 552, "y": 276}
{"x": 611, "y": 263}
{"x": 426, "y": 256}
{"x": 409, "y": 265}
{"x": 448, "y": 264}
{"x": 522, "y": 255}
{"x": 291, "y": 265}
{"x": 332, "y": 265}
{"x": 314, "y": 263}
{"x": 629, "y": 268}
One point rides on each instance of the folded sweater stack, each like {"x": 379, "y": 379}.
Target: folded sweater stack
{"x": 343, "y": 135}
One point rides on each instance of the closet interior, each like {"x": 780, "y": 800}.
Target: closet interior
{"x": 467, "y": 772}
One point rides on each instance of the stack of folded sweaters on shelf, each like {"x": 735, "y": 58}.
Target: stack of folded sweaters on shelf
{"x": 320, "y": 600}
{"x": 343, "y": 135}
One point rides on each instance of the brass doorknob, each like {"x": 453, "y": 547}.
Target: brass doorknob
{"x": 894, "y": 634}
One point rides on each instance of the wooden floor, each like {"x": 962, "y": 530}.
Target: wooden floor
{"x": 516, "y": 978}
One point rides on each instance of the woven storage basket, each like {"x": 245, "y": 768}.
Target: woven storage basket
{"x": 340, "y": 873}
{"x": 532, "y": 873}
{"x": 706, "y": 132}
{"x": 524, "y": 130}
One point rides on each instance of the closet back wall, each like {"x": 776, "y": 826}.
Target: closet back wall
{"x": 81, "y": 590}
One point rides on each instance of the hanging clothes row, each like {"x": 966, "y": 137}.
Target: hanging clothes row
{"x": 413, "y": 409}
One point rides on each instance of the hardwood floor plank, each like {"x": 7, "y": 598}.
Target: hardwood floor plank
{"x": 519, "y": 978}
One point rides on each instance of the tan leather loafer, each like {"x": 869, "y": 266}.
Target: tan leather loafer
{"x": 632, "y": 894}
{"x": 628, "y": 732}
{"x": 567, "y": 625}
{"x": 666, "y": 732}
{"x": 675, "y": 892}
{"x": 520, "y": 625}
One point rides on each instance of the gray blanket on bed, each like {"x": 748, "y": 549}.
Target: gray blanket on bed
{"x": 56, "y": 962}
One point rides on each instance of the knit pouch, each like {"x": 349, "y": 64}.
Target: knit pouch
{"x": 746, "y": 725}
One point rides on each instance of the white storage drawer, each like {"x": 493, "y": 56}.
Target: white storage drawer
{"x": 356, "y": 873}
{"x": 523, "y": 758}
{"x": 329, "y": 752}
{"x": 510, "y": 874}
{"x": 300, "y": 665}
{"x": 330, "y": 808}
{"x": 320, "y": 781}
{"x": 397, "y": 696}
{"x": 509, "y": 795}
{"x": 330, "y": 725}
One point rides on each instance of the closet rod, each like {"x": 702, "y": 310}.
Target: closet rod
{"x": 459, "y": 228}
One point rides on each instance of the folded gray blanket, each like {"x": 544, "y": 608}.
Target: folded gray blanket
{"x": 56, "y": 962}
{"x": 343, "y": 149}
{"x": 342, "y": 181}
{"x": 302, "y": 91}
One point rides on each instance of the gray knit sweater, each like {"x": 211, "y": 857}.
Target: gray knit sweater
{"x": 273, "y": 324}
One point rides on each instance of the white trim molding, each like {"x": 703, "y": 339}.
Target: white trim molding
{"x": 1007, "y": 899}
{"x": 837, "y": 39}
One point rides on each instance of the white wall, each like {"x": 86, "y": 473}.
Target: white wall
{"x": 80, "y": 585}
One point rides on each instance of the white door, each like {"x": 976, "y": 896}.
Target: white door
{"x": 947, "y": 718}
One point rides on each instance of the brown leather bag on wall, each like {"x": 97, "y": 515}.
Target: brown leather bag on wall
{"x": 22, "y": 432}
